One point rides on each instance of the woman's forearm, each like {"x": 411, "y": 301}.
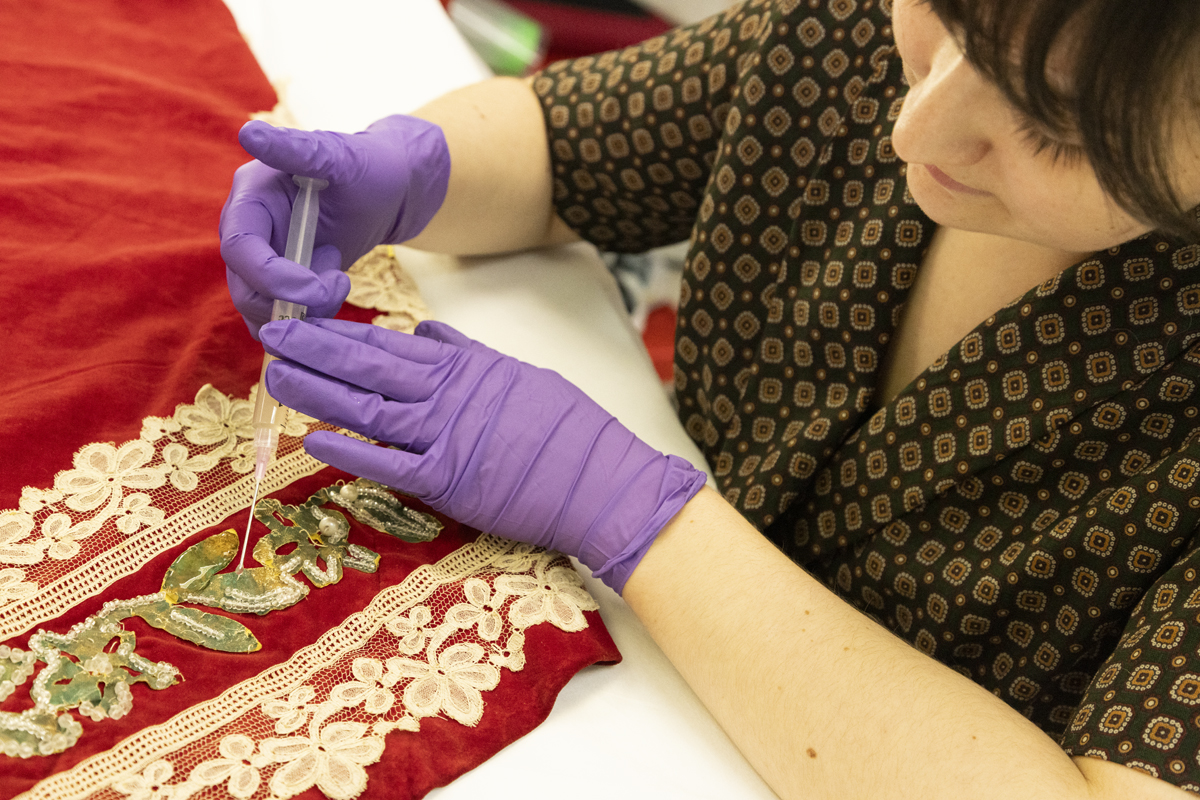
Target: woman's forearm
{"x": 823, "y": 701}
{"x": 499, "y": 198}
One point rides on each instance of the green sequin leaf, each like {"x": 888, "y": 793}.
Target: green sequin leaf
{"x": 196, "y": 566}
{"x": 200, "y": 627}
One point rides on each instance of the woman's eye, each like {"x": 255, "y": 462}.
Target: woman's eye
{"x": 1041, "y": 142}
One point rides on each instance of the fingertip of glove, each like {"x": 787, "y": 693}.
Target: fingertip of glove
{"x": 324, "y": 445}
{"x": 441, "y": 332}
{"x": 273, "y": 334}
{"x": 254, "y": 135}
{"x": 336, "y": 283}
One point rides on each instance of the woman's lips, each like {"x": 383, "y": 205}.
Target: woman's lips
{"x": 950, "y": 183}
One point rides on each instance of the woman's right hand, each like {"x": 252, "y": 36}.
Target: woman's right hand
{"x": 385, "y": 184}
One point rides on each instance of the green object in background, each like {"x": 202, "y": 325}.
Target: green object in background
{"x": 509, "y": 42}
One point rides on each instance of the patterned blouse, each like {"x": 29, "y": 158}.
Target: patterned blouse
{"x": 1025, "y": 511}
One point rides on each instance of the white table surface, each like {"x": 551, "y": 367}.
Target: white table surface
{"x": 631, "y": 730}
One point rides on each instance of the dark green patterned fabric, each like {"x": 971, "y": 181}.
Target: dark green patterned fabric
{"x": 1026, "y": 510}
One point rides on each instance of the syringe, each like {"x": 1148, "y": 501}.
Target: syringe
{"x": 268, "y": 414}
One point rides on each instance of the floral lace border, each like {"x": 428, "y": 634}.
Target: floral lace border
{"x": 427, "y": 647}
{"x": 121, "y": 505}
{"x": 108, "y": 515}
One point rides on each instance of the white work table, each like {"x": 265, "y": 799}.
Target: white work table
{"x": 630, "y": 730}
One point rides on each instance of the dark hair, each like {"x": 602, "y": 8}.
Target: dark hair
{"x": 1134, "y": 72}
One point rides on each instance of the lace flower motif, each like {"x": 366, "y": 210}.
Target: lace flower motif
{"x": 13, "y": 586}
{"x": 293, "y": 712}
{"x": 452, "y": 682}
{"x": 332, "y": 761}
{"x": 296, "y": 423}
{"x": 151, "y": 784}
{"x": 412, "y": 631}
{"x": 556, "y": 596}
{"x": 512, "y": 655}
{"x": 101, "y": 471}
{"x": 482, "y": 609}
{"x": 373, "y": 689}
{"x": 136, "y": 511}
{"x": 15, "y": 526}
{"x": 35, "y": 500}
{"x": 63, "y": 537}
{"x": 216, "y": 420}
{"x": 241, "y": 460}
{"x": 378, "y": 281}
{"x": 182, "y": 470}
{"x": 239, "y": 765}
{"x": 155, "y": 428}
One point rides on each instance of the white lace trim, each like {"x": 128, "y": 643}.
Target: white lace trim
{"x": 430, "y": 646}
{"x": 323, "y": 716}
{"x": 120, "y": 506}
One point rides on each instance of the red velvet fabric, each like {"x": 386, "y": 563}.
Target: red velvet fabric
{"x": 118, "y": 144}
{"x": 412, "y": 764}
{"x": 118, "y": 140}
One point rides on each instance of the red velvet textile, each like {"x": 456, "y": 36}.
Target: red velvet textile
{"x": 412, "y": 764}
{"x": 118, "y": 144}
{"x": 118, "y": 140}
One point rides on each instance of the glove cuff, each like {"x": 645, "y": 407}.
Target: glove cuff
{"x": 680, "y": 483}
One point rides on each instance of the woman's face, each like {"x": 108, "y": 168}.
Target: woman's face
{"x": 974, "y": 163}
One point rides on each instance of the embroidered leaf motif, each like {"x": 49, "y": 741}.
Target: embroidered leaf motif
{"x": 196, "y": 566}
{"x": 84, "y": 670}
{"x": 90, "y": 668}
{"x": 372, "y": 504}
{"x": 200, "y": 627}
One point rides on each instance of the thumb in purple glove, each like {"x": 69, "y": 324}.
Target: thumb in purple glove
{"x": 491, "y": 441}
{"x": 385, "y": 185}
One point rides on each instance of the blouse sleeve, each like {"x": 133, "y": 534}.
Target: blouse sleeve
{"x": 1142, "y": 708}
{"x": 633, "y": 133}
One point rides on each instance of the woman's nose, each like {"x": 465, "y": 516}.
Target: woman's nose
{"x": 946, "y": 119}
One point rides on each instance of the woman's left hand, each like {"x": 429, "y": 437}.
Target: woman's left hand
{"x": 491, "y": 441}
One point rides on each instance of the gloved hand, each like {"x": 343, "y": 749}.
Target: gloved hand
{"x": 385, "y": 184}
{"x": 491, "y": 441}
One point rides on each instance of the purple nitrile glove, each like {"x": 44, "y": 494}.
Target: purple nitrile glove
{"x": 385, "y": 184}
{"x": 491, "y": 441}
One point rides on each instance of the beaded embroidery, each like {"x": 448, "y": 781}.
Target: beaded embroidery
{"x": 83, "y": 672}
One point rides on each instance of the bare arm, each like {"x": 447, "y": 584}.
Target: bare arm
{"x": 499, "y": 196}
{"x": 824, "y": 702}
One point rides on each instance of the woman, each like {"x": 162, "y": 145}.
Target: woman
{"x": 935, "y": 340}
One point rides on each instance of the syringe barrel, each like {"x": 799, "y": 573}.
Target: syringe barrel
{"x": 268, "y": 414}
{"x": 268, "y": 422}
{"x": 303, "y": 226}
{"x": 267, "y": 411}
